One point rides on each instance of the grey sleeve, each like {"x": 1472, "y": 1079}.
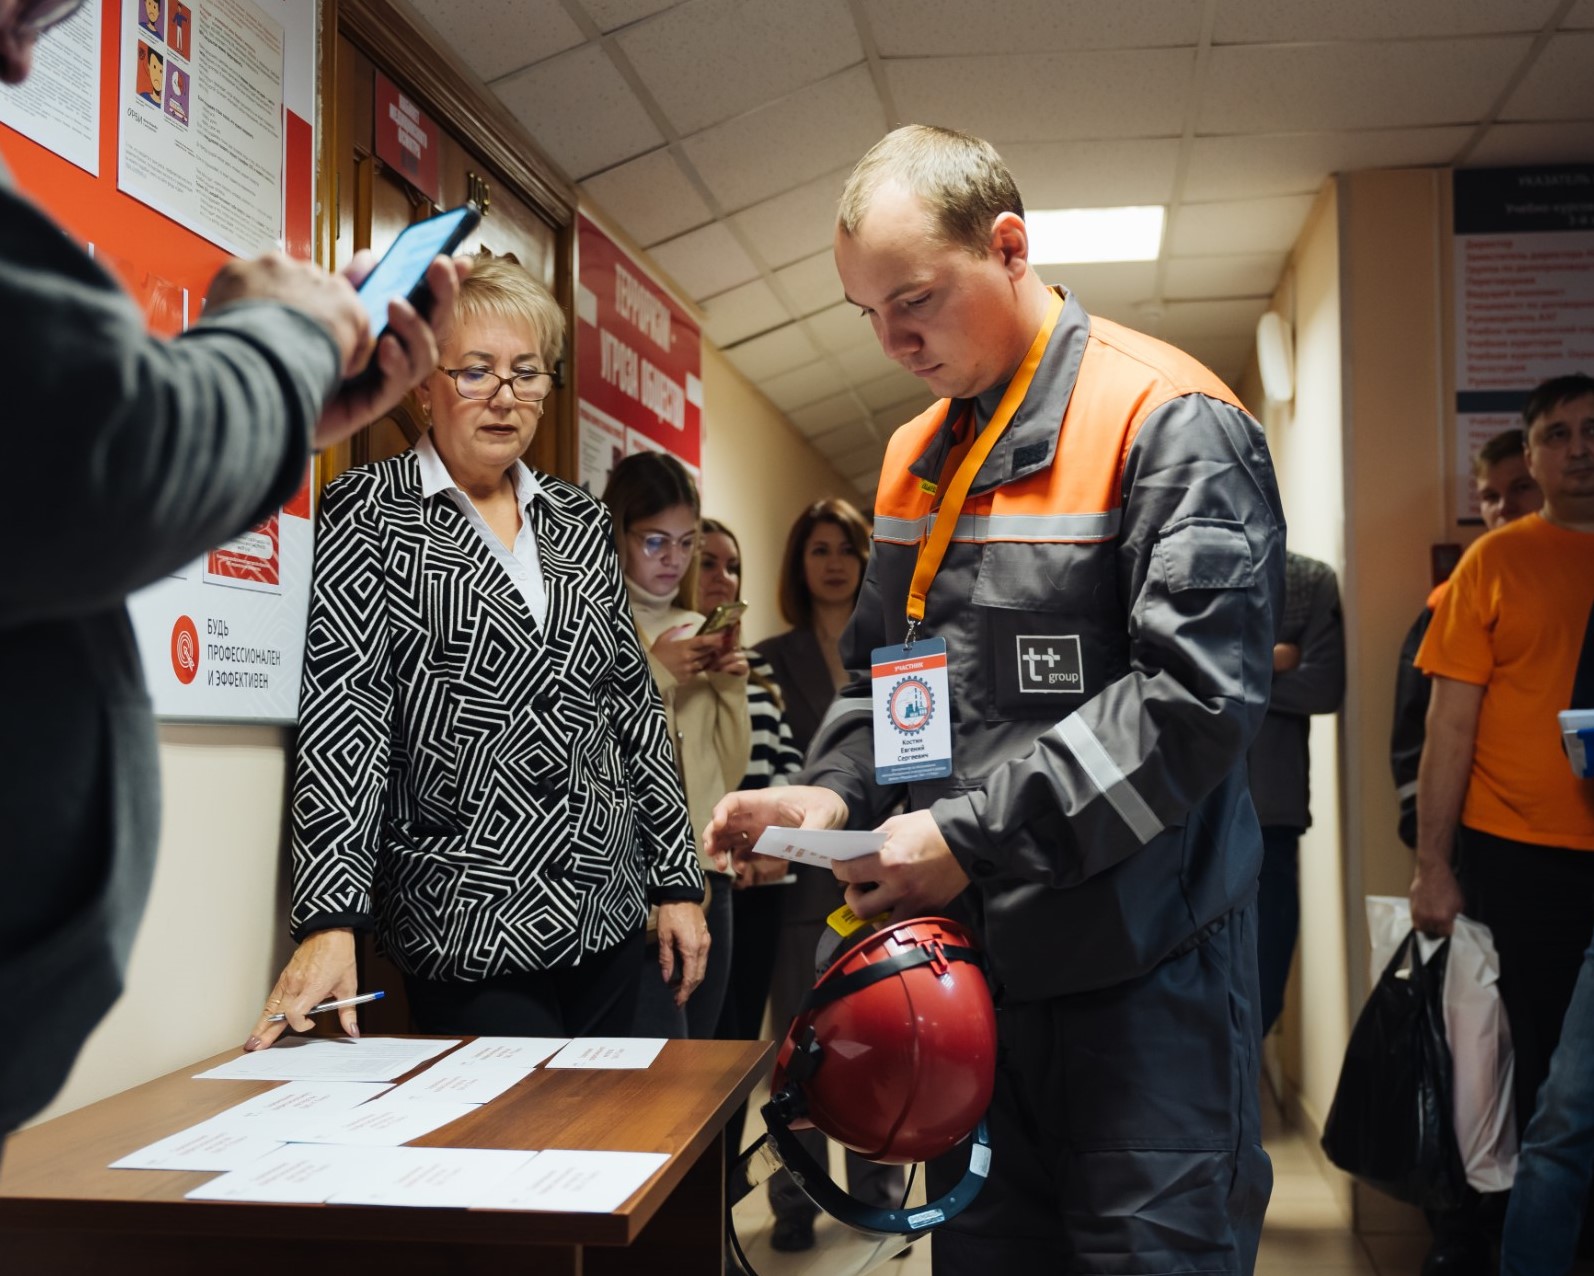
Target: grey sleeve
{"x": 137, "y": 454}
{"x": 1201, "y": 565}
{"x": 1317, "y": 684}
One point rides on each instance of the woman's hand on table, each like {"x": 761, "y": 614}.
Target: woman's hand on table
{"x": 321, "y": 969}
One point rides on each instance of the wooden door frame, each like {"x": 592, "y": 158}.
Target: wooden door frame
{"x": 410, "y": 54}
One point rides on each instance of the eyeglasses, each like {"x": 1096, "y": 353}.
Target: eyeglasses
{"x": 529, "y": 386}
{"x": 655, "y": 543}
{"x": 40, "y": 15}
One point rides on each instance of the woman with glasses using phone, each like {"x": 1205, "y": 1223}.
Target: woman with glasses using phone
{"x": 484, "y": 772}
{"x": 703, "y": 681}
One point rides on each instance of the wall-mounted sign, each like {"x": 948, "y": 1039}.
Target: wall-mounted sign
{"x": 639, "y": 363}
{"x": 407, "y": 139}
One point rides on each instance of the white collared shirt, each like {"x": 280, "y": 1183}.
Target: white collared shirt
{"x": 521, "y": 561}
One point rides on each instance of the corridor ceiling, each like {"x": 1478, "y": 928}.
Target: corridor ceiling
{"x": 718, "y": 134}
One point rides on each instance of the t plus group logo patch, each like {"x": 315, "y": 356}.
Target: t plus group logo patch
{"x": 910, "y": 705}
{"x": 1050, "y": 665}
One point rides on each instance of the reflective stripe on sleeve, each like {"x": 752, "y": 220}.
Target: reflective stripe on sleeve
{"x": 1406, "y": 790}
{"x": 1105, "y": 774}
{"x": 1005, "y": 527}
{"x": 839, "y": 708}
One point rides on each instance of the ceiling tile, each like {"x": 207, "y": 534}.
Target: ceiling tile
{"x": 829, "y": 414}
{"x": 1352, "y": 86}
{"x": 611, "y": 15}
{"x": 797, "y": 224}
{"x": 1093, "y": 174}
{"x": 1049, "y": 96}
{"x": 923, "y": 28}
{"x": 580, "y": 111}
{"x": 741, "y": 312}
{"x": 904, "y": 410}
{"x": 1557, "y": 88}
{"x": 864, "y": 363}
{"x": 704, "y": 261}
{"x": 789, "y": 141}
{"x": 1581, "y": 18}
{"x": 812, "y": 283}
{"x": 1238, "y": 226}
{"x": 845, "y": 438}
{"x": 650, "y": 197}
{"x": 1248, "y": 275}
{"x": 1509, "y": 144}
{"x": 1245, "y": 21}
{"x": 1105, "y": 286}
{"x": 1241, "y": 166}
{"x": 894, "y": 387}
{"x": 1198, "y": 320}
{"x": 760, "y": 358}
{"x": 801, "y": 386}
{"x": 859, "y": 459}
{"x": 523, "y": 31}
{"x": 840, "y": 328}
{"x": 758, "y": 49}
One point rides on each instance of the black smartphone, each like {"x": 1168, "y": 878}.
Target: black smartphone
{"x": 402, "y": 270}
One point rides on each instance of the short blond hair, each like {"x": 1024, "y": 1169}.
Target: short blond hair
{"x": 501, "y": 288}
{"x": 961, "y": 180}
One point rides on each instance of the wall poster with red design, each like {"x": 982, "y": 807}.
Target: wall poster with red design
{"x": 165, "y": 135}
{"x": 639, "y": 363}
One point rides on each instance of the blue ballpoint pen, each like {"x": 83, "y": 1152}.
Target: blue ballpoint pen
{"x": 333, "y": 1005}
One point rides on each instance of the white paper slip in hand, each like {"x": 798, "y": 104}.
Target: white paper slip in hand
{"x": 200, "y": 1147}
{"x": 609, "y": 1052}
{"x": 817, "y": 846}
{"x": 576, "y": 1182}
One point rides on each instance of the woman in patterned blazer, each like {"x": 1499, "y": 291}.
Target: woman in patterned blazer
{"x": 484, "y": 775}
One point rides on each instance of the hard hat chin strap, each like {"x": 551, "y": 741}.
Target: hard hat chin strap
{"x": 816, "y": 1183}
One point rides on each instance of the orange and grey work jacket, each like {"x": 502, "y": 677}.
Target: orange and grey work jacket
{"x": 1109, "y": 604}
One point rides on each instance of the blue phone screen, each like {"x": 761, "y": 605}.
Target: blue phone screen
{"x": 405, "y": 264}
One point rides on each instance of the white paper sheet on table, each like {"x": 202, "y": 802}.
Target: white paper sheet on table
{"x": 336, "y": 1059}
{"x": 449, "y": 1178}
{"x": 445, "y": 1083}
{"x": 506, "y": 1052}
{"x": 609, "y": 1052}
{"x": 300, "y": 1174}
{"x": 384, "y": 1122}
{"x": 817, "y": 846}
{"x": 279, "y": 1112}
{"x": 200, "y": 1147}
{"x": 580, "y": 1182}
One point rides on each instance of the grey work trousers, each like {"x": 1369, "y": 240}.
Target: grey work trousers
{"x": 1125, "y": 1131}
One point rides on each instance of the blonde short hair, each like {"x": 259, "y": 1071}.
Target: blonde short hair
{"x": 501, "y": 288}
{"x": 961, "y": 180}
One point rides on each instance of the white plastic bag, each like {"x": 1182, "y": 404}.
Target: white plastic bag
{"x": 1479, "y": 1036}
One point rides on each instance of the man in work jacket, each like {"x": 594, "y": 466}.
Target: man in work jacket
{"x": 1109, "y": 603}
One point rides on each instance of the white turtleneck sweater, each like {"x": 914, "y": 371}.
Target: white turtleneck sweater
{"x": 707, "y": 713}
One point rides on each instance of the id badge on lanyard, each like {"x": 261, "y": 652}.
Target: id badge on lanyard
{"x": 912, "y": 703}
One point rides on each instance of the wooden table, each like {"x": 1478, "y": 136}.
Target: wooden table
{"x": 62, "y": 1211}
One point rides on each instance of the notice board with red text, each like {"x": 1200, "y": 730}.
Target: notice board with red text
{"x": 167, "y": 136}
{"x": 639, "y": 363}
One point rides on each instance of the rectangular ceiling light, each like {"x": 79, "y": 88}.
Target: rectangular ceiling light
{"x": 1060, "y": 236}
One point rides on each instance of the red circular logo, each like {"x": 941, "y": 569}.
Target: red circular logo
{"x": 185, "y": 650}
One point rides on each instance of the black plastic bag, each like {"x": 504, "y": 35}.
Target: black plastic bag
{"x": 1392, "y": 1122}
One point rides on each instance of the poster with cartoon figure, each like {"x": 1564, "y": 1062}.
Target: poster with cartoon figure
{"x": 179, "y": 26}
{"x": 177, "y": 82}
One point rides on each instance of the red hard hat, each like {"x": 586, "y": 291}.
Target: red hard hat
{"x": 894, "y": 1050}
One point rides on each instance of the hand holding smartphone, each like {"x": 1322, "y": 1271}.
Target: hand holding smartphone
{"x": 722, "y": 618}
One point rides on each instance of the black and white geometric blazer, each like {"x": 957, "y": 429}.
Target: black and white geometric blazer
{"x": 495, "y": 797}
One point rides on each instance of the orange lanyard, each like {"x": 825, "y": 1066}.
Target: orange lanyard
{"x": 932, "y": 550}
